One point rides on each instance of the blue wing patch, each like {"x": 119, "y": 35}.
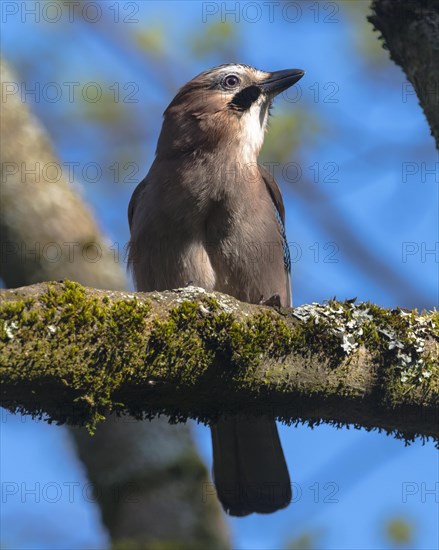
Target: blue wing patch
{"x": 286, "y": 250}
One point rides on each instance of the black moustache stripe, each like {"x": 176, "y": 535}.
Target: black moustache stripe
{"x": 244, "y": 99}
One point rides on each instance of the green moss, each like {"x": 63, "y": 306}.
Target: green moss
{"x": 94, "y": 339}
{"x": 101, "y": 344}
{"x": 190, "y": 340}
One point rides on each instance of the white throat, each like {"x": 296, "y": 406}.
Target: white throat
{"x": 253, "y": 126}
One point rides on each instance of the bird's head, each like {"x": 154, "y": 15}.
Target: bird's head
{"x": 225, "y": 107}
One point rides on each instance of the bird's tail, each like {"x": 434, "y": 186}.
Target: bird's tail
{"x": 249, "y": 467}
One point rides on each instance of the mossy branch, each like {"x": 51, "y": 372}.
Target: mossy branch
{"x": 71, "y": 354}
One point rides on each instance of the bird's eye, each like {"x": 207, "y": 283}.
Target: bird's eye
{"x": 231, "y": 81}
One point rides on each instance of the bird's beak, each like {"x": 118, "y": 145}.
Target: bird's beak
{"x": 279, "y": 81}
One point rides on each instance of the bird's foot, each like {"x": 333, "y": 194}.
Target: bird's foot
{"x": 273, "y": 301}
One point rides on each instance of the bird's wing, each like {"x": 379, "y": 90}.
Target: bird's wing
{"x": 279, "y": 212}
{"x": 275, "y": 193}
{"x": 135, "y": 200}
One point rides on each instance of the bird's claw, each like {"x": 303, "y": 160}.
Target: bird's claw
{"x": 273, "y": 301}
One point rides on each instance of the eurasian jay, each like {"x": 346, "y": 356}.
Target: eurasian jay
{"x": 208, "y": 214}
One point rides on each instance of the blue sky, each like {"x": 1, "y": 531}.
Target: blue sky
{"x": 382, "y": 200}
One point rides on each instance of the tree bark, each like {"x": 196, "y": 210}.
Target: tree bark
{"x": 410, "y": 30}
{"x": 74, "y": 354}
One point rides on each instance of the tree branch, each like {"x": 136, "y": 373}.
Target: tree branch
{"x": 410, "y": 30}
{"x": 74, "y": 353}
